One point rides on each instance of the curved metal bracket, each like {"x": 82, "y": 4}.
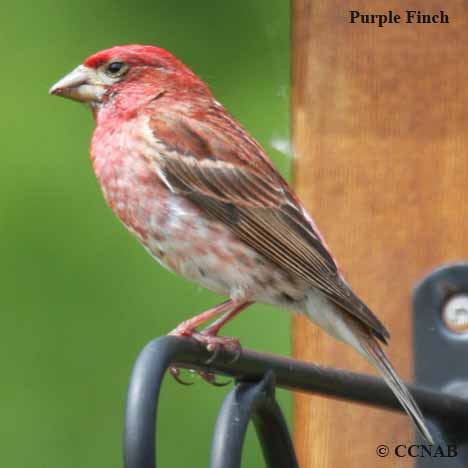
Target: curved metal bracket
{"x": 142, "y": 400}
{"x": 159, "y": 354}
{"x": 245, "y": 402}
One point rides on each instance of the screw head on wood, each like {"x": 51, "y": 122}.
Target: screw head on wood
{"x": 455, "y": 314}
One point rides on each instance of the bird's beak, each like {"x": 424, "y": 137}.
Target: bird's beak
{"x": 79, "y": 85}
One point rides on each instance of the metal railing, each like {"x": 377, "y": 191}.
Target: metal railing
{"x": 253, "y": 398}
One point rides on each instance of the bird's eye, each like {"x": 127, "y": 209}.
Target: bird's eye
{"x": 115, "y": 68}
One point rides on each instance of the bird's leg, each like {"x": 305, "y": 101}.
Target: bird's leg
{"x": 214, "y": 343}
{"x": 209, "y": 337}
{"x": 187, "y": 328}
{"x": 213, "y": 329}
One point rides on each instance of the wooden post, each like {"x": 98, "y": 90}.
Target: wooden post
{"x": 380, "y": 132}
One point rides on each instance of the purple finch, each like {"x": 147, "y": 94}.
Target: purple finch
{"x": 205, "y": 201}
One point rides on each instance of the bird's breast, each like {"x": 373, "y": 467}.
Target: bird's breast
{"x": 131, "y": 187}
{"x": 173, "y": 230}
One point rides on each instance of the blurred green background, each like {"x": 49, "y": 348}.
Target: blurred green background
{"x": 79, "y": 296}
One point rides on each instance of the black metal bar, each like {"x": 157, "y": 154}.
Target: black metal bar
{"x": 145, "y": 383}
{"x": 310, "y": 378}
{"x": 245, "y": 402}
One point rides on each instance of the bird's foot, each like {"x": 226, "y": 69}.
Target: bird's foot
{"x": 213, "y": 344}
{"x": 209, "y": 377}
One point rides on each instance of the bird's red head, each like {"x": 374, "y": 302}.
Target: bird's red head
{"x": 137, "y": 70}
{"x": 137, "y": 56}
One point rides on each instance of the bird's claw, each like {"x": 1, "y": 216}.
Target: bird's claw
{"x": 237, "y": 354}
{"x": 213, "y": 356}
{"x": 175, "y": 372}
{"x": 210, "y": 378}
{"x": 213, "y": 344}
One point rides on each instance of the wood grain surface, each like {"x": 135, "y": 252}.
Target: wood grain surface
{"x": 380, "y": 132}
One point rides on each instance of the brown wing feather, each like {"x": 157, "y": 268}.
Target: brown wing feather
{"x": 251, "y": 198}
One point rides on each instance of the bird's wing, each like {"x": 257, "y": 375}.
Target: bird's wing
{"x": 224, "y": 172}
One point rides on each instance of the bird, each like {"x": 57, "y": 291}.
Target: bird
{"x": 206, "y": 202}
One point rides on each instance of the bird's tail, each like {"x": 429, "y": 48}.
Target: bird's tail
{"x": 361, "y": 337}
{"x": 373, "y": 352}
